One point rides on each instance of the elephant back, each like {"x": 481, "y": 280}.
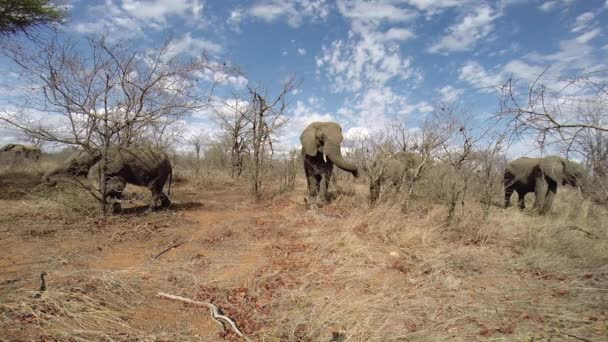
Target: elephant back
{"x": 409, "y": 159}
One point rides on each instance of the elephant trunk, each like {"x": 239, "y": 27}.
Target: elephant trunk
{"x": 332, "y": 150}
{"x": 47, "y": 177}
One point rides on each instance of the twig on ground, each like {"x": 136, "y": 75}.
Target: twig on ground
{"x": 175, "y": 245}
{"x": 219, "y": 318}
{"x": 587, "y": 233}
{"x": 573, "y": 336}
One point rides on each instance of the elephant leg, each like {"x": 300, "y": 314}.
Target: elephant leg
{"x": 374, "y": 191}
{"x": 508, "y": 193}
{"x": 311, "y": 181}
{"x": 114, "y": 189}
{"x": 324, "y": 185}
{"x": 321, "y": 188}
{"x": 159, "y": 199}
{"x": 551, "y": 192}
{"x": 521, "y": 199}
{"x": 540, "y": 190}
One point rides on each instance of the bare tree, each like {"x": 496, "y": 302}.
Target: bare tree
{"x": 197, "y": 142}
{"x": 491, "y": 164}
{"x": 266, "y": 117}
{"x": 568, "y": 114}
{"x": 95, "y": 93}
{"x": 555, "y": 109}
{"x": 232, "y": 116}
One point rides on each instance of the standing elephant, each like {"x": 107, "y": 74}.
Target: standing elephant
{"x": 15, "y": 153}
{"x": 321, "y": 150}
{"x": 393, "y": 170}
{"x": 138, "y": 166}
{"x": 541, "y": 176}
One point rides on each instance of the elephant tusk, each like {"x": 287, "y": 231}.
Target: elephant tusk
{"x": 324, "y": 157}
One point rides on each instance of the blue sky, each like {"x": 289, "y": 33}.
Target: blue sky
{"x": 363, "y": 63}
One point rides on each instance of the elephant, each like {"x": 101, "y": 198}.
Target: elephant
{"x": 321, "y": 150}
{"x": 138, "y": 166}
{"x": 14, "y": 153}
{"x": 392, "y": 168}
{"x": 541, "y": 176}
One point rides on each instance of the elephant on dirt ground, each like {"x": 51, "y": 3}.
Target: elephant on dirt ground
{"x": 541, "y": 176}
{"x": 321, "y": 150}
{"x": 16, "y": 153}
{"x": 392, "y": 169}
{"x": 138, "y": 166}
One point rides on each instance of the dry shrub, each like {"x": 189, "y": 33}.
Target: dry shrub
{"x": 83, "y": 307}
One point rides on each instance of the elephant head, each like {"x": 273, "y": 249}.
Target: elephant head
{"x": 563, "y": 171}
{"x": 325, "y": 138}
{"x": 78, "y": 164}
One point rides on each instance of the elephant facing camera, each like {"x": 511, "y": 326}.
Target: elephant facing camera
{"x": 321, "y": 150}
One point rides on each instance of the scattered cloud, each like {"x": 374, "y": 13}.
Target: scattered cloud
{"x": 432, "y": 7}
{"x": 370, "y": 56}
{"x": 301, "y": 51}
{"x": 463, "y": 35}
{"x": 293, "y": 11}
{"x": 549, "y": 6}
{"x": 476, "y": 75}
{"x": 191, "y": 46}
{"x": 587, "y": 36}
{"x": 133, "y": 17}
{"x": 583, "y": 21}
{"x": 374, "y": 12}
{"x": 449, "y": 94}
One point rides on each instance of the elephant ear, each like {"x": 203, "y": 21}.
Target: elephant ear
{"x": 554, "y": 168}
{"x": 332, "y": 132}
{"x": 309, "y": 141}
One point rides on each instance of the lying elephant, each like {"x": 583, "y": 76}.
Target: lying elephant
{"x": 392, "y": 168}
{"x": 138, "y": 166}
{"x": 14, "y": 153}
{"x": 321, "y": 150}
{"x": 541, "y": 176}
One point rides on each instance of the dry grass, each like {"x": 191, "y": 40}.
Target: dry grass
{"x": 289, "y": 274}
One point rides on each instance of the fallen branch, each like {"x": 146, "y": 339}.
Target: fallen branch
{"x": 587, "y": 233}
{"x": 219, "y": 318}
{"x": 175, "y": 245}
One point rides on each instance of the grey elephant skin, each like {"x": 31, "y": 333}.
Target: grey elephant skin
{"x": 18, "y": 153}
{"x": 138, "y": 166}
{"x": 321, "y": 150}
{"x": 541, "y": 176}
{"x": 392, "y": 169}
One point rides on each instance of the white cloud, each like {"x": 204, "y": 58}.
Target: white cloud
{"x": 586, "y": 37}
{"x": 370, "y": 56}
{"x": 476, "y": 75}
{"x": 450, "y": 94}
{"x": 159, "y": 10}
{"x": 375, "y": 108}
{"x": 548, "y": 6}
{"x": 432, "y": 7}
{"x": 374, "y": 11}
{"x": 582, "y": 21}
{"x": 236, "y": 17}
{"x": 132, "y": 17}
{"x": 191, "y": 46}
{"x": 463, "y": 35}
{"x": 301, "y": 51}
{"x": 294, "y": 11}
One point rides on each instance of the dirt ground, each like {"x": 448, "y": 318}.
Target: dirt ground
{"x": 282, "y": 272}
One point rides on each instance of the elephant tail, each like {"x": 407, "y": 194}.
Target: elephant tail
{"x": 170, "y": 181}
